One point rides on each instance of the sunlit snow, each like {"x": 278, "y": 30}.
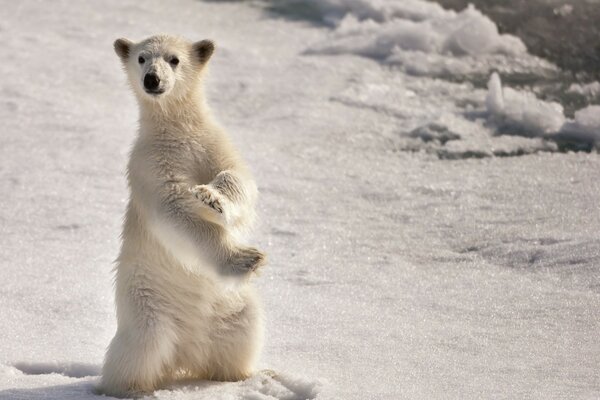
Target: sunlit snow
{"x": 428, "y": 237}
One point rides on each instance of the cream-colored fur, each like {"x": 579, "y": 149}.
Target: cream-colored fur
{"x": 191, "y": 200}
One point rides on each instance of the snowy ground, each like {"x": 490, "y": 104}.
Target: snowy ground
{"x": 413, "y": 254}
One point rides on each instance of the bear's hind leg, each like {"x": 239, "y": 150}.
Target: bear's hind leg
{"x": 137, "y": 361}
{"x": 236, "y": 343}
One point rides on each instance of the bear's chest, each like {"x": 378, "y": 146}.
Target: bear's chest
{"x": 189, "y": 156}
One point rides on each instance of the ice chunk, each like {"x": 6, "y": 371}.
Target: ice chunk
{"x": 495, "y": 98}
{"x": 477, "y": 34}
{"x": 564, "y": 10}
{"x": 589, "y": 117}
{"x": 522, "y": 111}
{"x": 585, "y": 128}
{"x": 589, "y": 90}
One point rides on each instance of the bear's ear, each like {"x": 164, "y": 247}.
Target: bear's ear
{"x": 122, "y": 47}
{"x": 203, "y": 50}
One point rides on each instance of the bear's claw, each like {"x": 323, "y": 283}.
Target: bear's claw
{"x": 247, "y": 259}
{"x": 208, "y": 196}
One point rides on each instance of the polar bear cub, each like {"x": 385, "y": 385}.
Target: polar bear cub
{"x": 192, "y": 198}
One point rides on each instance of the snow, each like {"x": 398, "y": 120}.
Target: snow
{"x": 412, "y": 253}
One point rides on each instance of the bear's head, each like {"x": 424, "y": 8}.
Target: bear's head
{"x": 163, "y": 67}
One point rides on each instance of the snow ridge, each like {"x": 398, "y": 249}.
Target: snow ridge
{"x": 422, "y": 38}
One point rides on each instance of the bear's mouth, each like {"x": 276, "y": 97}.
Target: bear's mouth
{"x": 155, "y": 92}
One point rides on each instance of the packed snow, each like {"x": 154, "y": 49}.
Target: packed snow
{"x": 411, "y": 255}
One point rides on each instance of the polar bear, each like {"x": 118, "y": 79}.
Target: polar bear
{"x": 191, "y": 200}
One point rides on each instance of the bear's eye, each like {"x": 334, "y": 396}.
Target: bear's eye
{"x": 141, "y": 60}
{"x": 174, "y": 61}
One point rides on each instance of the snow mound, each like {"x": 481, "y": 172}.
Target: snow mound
{"x": 585, "y": 127}
{"x": 421, "y": 37}
{"x": 589, "y": 118}
{"x": 522, "y": 110}
{"x": 472, "y": 33}
{"x": 265, "y": 385}
{"x": 379, "y": 10}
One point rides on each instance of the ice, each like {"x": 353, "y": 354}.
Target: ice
{"x": 495, "y": 97}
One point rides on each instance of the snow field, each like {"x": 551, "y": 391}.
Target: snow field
{"x": 410, "y": 256}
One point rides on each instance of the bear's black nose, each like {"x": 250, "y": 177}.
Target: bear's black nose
{"x": 151, "y": 81}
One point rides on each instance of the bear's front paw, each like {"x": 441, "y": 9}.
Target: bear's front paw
{"x": 209, "y": 197}
{"x": 247, "y": 259}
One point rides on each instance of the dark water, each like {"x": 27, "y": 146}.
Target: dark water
{"x": 571, "y": 40}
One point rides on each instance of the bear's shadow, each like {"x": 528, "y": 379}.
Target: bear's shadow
{"x": 78, "y": 390}
{"x": 81, "y": 390}
{"x": 86, "y": 390}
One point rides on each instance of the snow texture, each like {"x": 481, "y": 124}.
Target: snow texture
{"x": 411, "y": 256}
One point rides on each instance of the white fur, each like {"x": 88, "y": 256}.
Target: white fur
{"x": 175, "y": 317}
